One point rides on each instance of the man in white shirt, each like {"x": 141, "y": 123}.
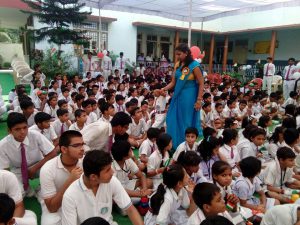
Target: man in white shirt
{"x": 58, "y": 174}
{"x": 289, "y": 81}
{"x": 23, "y": 151}
{"x": 106, "y": 65}
{"x": 269, "y": 72}
{"x": 95, "y": 191}
{"x": 9, "y": 185}
{"x": 99, "y": 135}
{"x": 89, "y": 64}
{"x": 121, "y": 63}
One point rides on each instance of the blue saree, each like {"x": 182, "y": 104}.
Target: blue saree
{"x": 181, "y": 113}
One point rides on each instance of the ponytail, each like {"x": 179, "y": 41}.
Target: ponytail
{"x": 157, "y": 199}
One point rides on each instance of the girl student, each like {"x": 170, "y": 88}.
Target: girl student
{"x": 265, "y": 122}
{"x": 209, "y": 152}
{"x": 170, "y": 198}
{"x": 276, "y": 141}
{"x": 51, "y": 106}
{"x": 159, "y": 159}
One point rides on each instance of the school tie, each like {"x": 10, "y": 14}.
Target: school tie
{"x": 121, "y": 64}
{"x": 119, "y": 108}
{"x": 90, "y": 66}
{"x": 152, "y": 149}
{"x": 231, "y": 153}
{"x": 267, "y": 71}
{"x": 42, "y": 131}
{"x": 62, "y": 129}
{"x": 24, "y": 168}
{"x": 288, "y": 73}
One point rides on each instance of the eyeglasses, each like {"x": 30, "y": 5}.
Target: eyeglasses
{"x": 77, "y": 145}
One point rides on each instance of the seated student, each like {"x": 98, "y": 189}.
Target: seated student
{"x": 51, "y": 106}
{"x": 231, "y": 123}
{"x": 80, "y": 120}
{"x": 190, "y": 144}
{"x": 230, "y": 111}
{"x": 87, "y": 107}
{"x": 276, "y": 141}
{"x": 79, "y": 98}
{"x": 218, "y": 112}
{"x": 248, "y": 184}
{"x": 64, "y": 95}
{"x": 7, "y": 209}
{"x": 119, "y": 103}
{"x": 42, "y": 125}
{"x": 95, "y": 108}
{"x": 216, "y": 220}
{"x": 257, "y": 137}
{"x": 291, "y": 139}
{"x": 229, "y": 150}
{"x": 41, "y": 100}
{"x": 20, "y": 151}
{"x": 58, "y": 174}
{"x": 9, "y": 186}
{"x": 62, "y": 123}
{"x": 241, "y": 110}
{"x": 95, "y": 191}
{"x": 129, "y": 106}
{"x": 95, "y": 221}
{"x": 28, "y": 111}
{"x": 149, "y": 145}
{"x": 63, "y": 104}
{"x": 190, "y": 161}
{"x": 209, "y": 201}
{"x": 209, "y": 152}
{"x": 107, "y": 111}
{"x": 279, "y": 174}
{"x": 138, "y": 128}
{"x": 292, "y": 99}
{"x": 206, "y": 115}
{"x": 171, "y": 203}
{"x": 124, "y": 168}
{"x": 288, "y": 214}
{"x": 159, "y": 159}
{"x": 265, "y": 122}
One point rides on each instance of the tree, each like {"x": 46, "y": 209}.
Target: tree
{"x": 58, "y": 16}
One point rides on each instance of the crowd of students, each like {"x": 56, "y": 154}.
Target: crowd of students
{"x": 79, "y": 136}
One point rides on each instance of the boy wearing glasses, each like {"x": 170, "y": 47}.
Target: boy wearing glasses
{"x": 59, "y": 173}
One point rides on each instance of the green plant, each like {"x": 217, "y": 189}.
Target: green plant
{"x": 6, "y": 65}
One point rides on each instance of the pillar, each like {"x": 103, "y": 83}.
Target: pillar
{"x": 211, "y": 53}
{"x": 225, "y": 54}
{"x": 273, "y": 44}
{"x": 176, "y": 43}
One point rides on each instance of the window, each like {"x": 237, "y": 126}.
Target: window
{"x": 164, "y": 39}
{"x": 151, "y": 38}
{"x": 183, "y": 40}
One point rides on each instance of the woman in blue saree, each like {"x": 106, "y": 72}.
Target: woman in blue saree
{"x": 184, "y": 109}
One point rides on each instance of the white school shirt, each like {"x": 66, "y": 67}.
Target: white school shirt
{"x": 30, "y": 120}
{"x": 206, "y": 118}
{"x": 198, "y": 177}
{"x": 167, "y": 212}
{"x": 57, "y": 124}
{"x": 281, "y": 214}
{"x": 225, "y": 150}
{"x": 36, "y": 145}
{"x": 119, "y": 108}
{"x": 105, "y": 120}
{"x": 96, "y": 135}
{"x": 274, "y": 176}
{"x": 155, "y": 160}
{"x": 137, "y": 130}
{"x": 9, "y": 185}
{"x": 74, "y": 126}
{"x": 50, "y": 110}
{"x": 184, "y": 147}
{"x": 147, "y": 148}
{"x": 160, "y": 104}
{"x": 198, "y": 216}
{"x": 288, "y": 72}
{"x": 48, "y": 133}
{"x": 270, "y": 68}
{"x": 241, "y": 113}
{"x": 91, "y": 118}
{"x": 244, "y": 189}
{"x": 248, "y": 149}
{"x": 273, "y": 147}
{"x": 289, "y": 101}
{"x": 217, "y": 115}
{"x": 122, "y": 173}
{"x": 37, "y": 103}
{"x": 53, "y": 175}
{"x": 228, "y": 113}
{"x": 79, "y": 203}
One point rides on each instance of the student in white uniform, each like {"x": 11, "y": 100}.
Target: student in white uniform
{"x": 99, "y": 135}
{"x": 248, "y": 184}
{"x": 278, "y": 175}
{"x": 51, "y": 107}
{"x": 159, "y": 159}
{"x": 291, "y": 100}
{"x": 107, "y": 111}
{"x": 229, "y": 150}
{"x": 209, "y": 201}
{"x": 42, "y": 125}
{"x": 276, "y": 141}
{"x": 124, "y": 168}
{"x": 170, "y": 203}
{"x": 23, "y": 151}
{"x": 206, "y": 115}
{"x": 28, "y": 111}
{"x": 149, "y": 145}
{"x": 87, "y": 107}
{"x": 58, "y": 174}
{"x": 9, "y": 185}
{"x": 106, "y": 65}
{"x": 289, "y": 81}
{"x": 269, "y": 72}
{"x": 62, "y": 123}
{"x": 190, "y": 144}
{"x": 95, "y": 191}
{"x": 160, "y": 105}
{"x": 288, "y": 214}
{"x": 80, "y": 120}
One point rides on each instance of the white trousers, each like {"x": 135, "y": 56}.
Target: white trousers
{"x": 50, "y": 218}
{"x": 159, "y": 120}
{"x": 106, "y": 73}
{"x": 267, "y": 83}
{"x": 288, "y": 86}
{"x": 29, "y": 218}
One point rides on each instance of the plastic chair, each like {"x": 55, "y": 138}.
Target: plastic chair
{"x": 277, "y": 81}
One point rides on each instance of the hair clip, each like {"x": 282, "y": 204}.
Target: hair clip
{"x": 208, "y": 138}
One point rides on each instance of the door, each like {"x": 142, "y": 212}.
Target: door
{"x": 165, "y": 49}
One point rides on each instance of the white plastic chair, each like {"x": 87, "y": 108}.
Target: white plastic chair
{"x": 277, "y": 81}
